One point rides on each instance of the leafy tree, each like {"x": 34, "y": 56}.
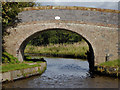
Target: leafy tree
{"x": 9, "y": 12}
{"x": 54, "y": 37}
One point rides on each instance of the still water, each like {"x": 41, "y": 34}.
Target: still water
{"x": 64, "y": 73}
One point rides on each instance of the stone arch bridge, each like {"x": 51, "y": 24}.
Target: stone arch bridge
{"x": 97, "y": 26}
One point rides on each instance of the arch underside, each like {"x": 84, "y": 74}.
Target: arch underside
{"x": 97, "y": 38}
{"x": 25, "y": 42}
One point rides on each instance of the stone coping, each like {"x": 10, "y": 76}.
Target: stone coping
{"x": 71, "y": 8}
{"x": 23, "y": 73}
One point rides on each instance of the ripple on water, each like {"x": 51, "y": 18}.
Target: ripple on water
{"x": 65, "y": 73}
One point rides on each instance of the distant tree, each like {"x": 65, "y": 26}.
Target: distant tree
{"x": 55, "y": 37}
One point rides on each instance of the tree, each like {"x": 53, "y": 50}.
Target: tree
{"x": 10, "y": 10}
{"x": 54, "y": 37}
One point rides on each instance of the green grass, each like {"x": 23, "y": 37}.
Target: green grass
{"x": 76, "y": 49}
{"x": 8, "y": 58}
{"x": 11, "y": 63}
{"x": 17, "y": 66}
{"x": 114, "y": 63}
{"x": 33, "y": 62}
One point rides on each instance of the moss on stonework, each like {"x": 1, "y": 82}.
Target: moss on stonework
{"x": 110, "y": 68}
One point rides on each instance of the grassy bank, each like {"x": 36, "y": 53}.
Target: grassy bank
{"x": 109, "y": 68}
{"x": 75, "y": 50}
{"x": 10, "y": 67}
{"x": 17, "y": 66}
{"x": 11, "y": 63}
{"x": 115, "y": 63}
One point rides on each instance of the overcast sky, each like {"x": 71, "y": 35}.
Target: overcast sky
{"x": 106, "y": 4}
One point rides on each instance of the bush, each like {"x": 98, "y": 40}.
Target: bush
{"x": 7, "y": 58}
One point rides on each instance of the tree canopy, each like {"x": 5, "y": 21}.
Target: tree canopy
{"x": 10, "y": 10}
{"x": 55, "y": 37}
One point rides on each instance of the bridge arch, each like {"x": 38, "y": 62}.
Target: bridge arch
{"x": 25, "y": 42}
{"x": 19, "y": 36}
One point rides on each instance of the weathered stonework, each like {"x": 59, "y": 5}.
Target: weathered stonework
{"x": 103, "y": 40}
{"x": 101, "y": 36}
{"x": 18, "y": 74}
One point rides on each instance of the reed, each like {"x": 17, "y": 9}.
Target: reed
{"x": 76, "y": 49}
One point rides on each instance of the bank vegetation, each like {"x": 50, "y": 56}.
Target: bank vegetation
{"x": 75, "y": 50}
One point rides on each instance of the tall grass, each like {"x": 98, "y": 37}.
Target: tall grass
{"x": 112, "y": 63}
{"x": 76, "y": 50}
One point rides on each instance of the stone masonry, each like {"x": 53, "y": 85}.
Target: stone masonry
{"x": 99, "y": 29}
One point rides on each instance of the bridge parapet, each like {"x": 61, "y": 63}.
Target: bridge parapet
{"x": 86, "y": 15}
{"x": 70, "y": 8}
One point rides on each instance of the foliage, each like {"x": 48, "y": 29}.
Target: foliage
{"x": 7, "y": 58}
{"x": 111, "y": 63}
{"x": 55, "y": 37}
{"x": 75, "y": 50}
{"x": 27, "y": 57}
{"x": 10, "y": 10}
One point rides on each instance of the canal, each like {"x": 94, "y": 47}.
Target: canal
{"x": 65, "y": 73}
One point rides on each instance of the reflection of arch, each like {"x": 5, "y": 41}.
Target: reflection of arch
{"x": 24, "y": 43}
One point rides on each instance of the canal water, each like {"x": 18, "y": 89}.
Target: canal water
{"x": 64, "y": 73}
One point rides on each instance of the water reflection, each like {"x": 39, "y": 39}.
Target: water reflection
{"x": 65, "y": 73}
